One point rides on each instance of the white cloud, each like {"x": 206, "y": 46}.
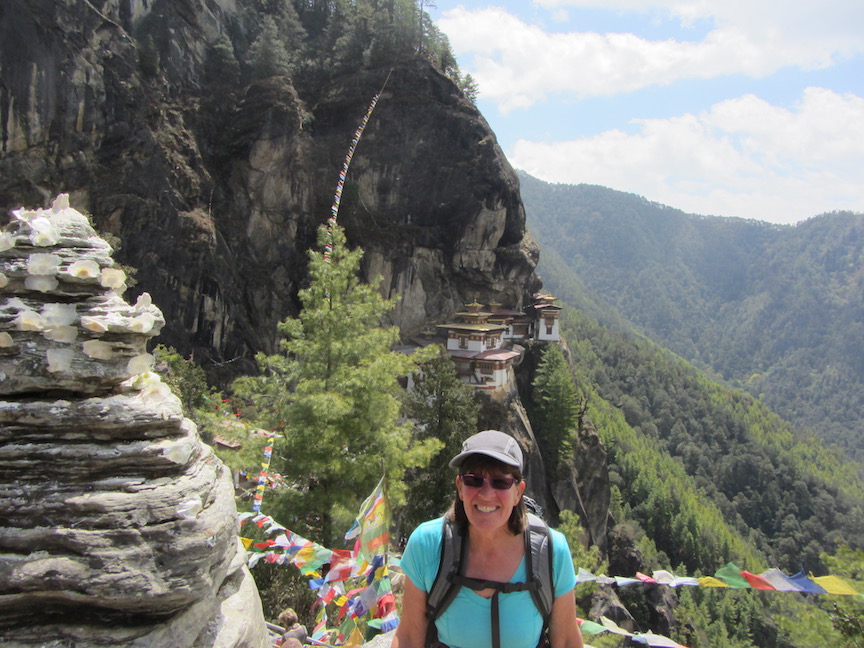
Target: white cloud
{"x": 517, "y": 64}
{"x": 743, "y": 157}
{"x": 832, "y": 24}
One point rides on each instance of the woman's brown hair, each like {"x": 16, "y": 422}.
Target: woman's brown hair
{"x": 483, "y": 465}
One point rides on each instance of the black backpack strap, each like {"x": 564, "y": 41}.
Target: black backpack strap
{"x": 539, "y": 566}
{"x": 451, "y": 576}
{"x": 454, "y": 543}
{"x": 500, "y": 588}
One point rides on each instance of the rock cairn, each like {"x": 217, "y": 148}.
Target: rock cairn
{"x": 117, "y": 524}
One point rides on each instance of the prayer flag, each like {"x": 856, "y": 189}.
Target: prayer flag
{"x": 731, "y": 575}
{"x": 584, "y": 576}
{"x": 667, "y": 578}
{"x": 614, "y": 628}
{"x": 834, "y": 585}
{"x": 590, "y": 627}
{"x": 780, "y": 581}
{"x": 651, "y": 639}
{"x": 370, "y": 527}
{"x": 757, "y": 582}
{"x": 355, "y": 640}
{"x": 806, "y": 585}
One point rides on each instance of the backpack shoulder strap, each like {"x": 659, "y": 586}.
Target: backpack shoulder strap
{"x": 451, "y": 573}
{"x": 444, "y": 588}
{"x": 538, "y": 554}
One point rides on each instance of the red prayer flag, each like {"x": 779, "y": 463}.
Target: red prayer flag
{"x": 757, "y": 582}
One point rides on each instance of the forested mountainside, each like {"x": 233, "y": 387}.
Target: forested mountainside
{"x": 776, "y": 310}
{"x": 206, "y": 138}
{"x": 702, "y": 474}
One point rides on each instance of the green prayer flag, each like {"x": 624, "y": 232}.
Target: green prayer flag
{"x": 731, "y": 575}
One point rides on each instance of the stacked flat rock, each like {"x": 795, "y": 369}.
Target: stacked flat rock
{"x": 117, "y": 524}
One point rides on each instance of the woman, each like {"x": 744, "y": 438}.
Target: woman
{"x": 489, "y": 506}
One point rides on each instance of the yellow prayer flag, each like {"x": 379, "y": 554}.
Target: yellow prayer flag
{"x": 355, "y": 640}
{"x": 834, "y": 585}
{"x": 710, "y": 581}
{"x": 247, "y": 542}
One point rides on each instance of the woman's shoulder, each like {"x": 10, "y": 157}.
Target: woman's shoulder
{"x": 557, "y": 536}
{"x": 559, "y": 542}
{"x": 428, "y": 531}
{"x": 422, "y": 553}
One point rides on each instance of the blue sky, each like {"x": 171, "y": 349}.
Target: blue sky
{"x": 749, "y": 108}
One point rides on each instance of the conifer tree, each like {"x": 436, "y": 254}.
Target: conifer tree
{"x": 556, "y": 405}
{"x": 333, "y": 393}
{"x": 443, "y": 408}
{"x": 268, "y": 55}
{"x": 221, "y": 65}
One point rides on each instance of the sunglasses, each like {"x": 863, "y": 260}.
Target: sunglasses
{"x": 498, "y": 483}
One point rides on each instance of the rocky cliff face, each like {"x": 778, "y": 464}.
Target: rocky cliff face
{"x": 214, "y": 190}
{"x": 581, "y": 483}
{"x": 119, "y": 525}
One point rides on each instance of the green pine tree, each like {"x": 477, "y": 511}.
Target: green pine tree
{"x": 556, "y": 405}
{"x": 445, "y": 409}
{"x": 334, "y": 395}
{"x": 221, "y": 65}
{"x": 268, "y": 55}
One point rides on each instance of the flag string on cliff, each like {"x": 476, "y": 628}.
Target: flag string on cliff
{"x": 343, "y": 173}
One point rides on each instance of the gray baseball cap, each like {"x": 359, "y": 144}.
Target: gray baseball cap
{"x": 491, "y": 443}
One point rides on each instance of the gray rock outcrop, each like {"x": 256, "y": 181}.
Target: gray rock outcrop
{"x": 118, "y": 524}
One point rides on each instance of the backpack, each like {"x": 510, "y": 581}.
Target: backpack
{"x": 451, "y": 577}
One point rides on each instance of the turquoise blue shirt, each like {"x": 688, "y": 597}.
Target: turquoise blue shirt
{"x": 466, "y": 623}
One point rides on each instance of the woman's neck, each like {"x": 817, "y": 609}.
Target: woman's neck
{"x": 491, "y": 541}
{"x": 493, "y": 556}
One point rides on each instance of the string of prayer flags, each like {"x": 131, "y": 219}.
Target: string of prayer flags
{"x": 371, "y": 603}
{"x": 319, "y": 632}
{"x": 340, "y": 185}
{"x": 590, "y": 628}
{"x": 730, "y": 576}
{"x": 262, "y": 477}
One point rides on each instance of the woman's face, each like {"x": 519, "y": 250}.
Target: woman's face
{"x": 488, "y": 508}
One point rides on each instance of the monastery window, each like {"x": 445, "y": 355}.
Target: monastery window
{"x": 463, "y": 342}
{"x": 486, "y": 367}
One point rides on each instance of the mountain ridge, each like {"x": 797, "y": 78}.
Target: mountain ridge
{"x": 774, "y": 309}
